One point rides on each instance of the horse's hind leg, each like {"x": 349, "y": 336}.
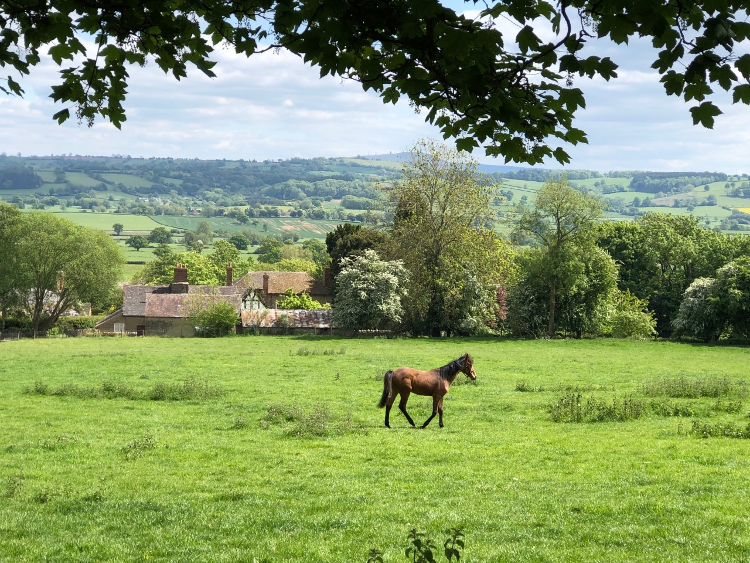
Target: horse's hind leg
{"x": 388, "y": 406}
{"x": 402, "y": 406}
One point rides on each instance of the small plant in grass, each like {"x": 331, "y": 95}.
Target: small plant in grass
{"x": 305, "y": 351}
{"x": 240, "y": 423}
{"x": 421, "y": 549}
{"x": 136, "y": 448}
{"x": 13, "y": 485}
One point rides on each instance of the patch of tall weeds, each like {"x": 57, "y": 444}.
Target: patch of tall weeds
{"x": 688, "y": 387}
{"x": 573, "y": 407}
{"x": 314, "y": 422}
{"x": 190, "y": 389}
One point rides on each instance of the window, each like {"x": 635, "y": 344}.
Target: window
{"x": 119, "y": 327}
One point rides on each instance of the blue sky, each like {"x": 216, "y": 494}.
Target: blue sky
{"x": 274, "y": 106}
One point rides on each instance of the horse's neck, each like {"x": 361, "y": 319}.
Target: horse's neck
{"x": 453, "y": 375}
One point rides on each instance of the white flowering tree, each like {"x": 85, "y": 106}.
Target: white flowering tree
{"x": 369, "y": 292}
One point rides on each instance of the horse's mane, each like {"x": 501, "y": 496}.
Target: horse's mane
{"x": 451, "y": 368}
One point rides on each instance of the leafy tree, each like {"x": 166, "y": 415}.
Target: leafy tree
{"x": 510, "y": 91}
{"x": 224, "y": 254}
{"x": 240, "y": 242}
{"x": 561, "y": 222}
{"x": 64, "y": 264}
{"x": 317, "y": 250}
{"x": 300, "y": 301}
{"x": 348, "y": 240}
{"x": 629, "y": 317}
{"x": 454, "y": 262}
{"x": 660, "y": 255}
{"x": 698, "y": 314}
{"x": 584, "y": 308}
{"x": 733, "y": 293}
{"x": 201, "y": 270}
{"x": 204, "y": 232}
{"x": 212, "y": 315}
{"x": 10, "y": 272}
{"x": 269, "y": 250}
{"x": 118, "y": 228}
{"x": 137, "y": 242}
{"x": 160, "y": 235}
{"x": 369, "y": 292}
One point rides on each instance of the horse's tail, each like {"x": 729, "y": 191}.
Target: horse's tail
{"x": 386, "y": 389}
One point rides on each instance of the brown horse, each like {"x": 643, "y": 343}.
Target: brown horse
{"x": 436, "y": 382}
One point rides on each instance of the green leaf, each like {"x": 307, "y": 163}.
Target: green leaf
{"x": 61, "y": 116}
{"x": 467, "y": 144}
{"x": 527, "y": 40}
{"x": 741, "y": 93}
{"x": 743, "y": 65}
{"x": 704, "y": 114}
{"x": 674, "y": 83}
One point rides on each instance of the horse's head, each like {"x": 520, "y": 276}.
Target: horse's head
{"x": 468, "y": 367}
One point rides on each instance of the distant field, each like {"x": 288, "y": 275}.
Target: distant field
{"x": 271, "y": 449}
{"x": 304, "y": 228}
{"x": 128, "y": 180}
{"x": 105, "y": 221}
{"x": 81, "y": 179}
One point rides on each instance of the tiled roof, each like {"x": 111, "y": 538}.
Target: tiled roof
{"x": 279, "y": 282}
{"x": 158, "y": 301}
{"x": 298, "y": 318}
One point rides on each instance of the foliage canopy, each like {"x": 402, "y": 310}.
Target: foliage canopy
{"x": 511, "y": 92}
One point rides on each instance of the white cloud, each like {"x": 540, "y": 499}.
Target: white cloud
{"x": 275, "y": 106}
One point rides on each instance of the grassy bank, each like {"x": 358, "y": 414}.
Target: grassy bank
{"x": 271, "y": 449}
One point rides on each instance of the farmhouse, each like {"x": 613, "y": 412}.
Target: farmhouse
{"x": 165, "y": 309}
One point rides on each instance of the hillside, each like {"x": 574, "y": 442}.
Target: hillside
{"x": 174, "y": 192}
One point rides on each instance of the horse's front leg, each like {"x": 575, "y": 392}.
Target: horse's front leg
{"x": 435, "y": 404}
{"x": 440, "y": 411}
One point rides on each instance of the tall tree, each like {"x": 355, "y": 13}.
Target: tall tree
{"x": 561, "y": 222}
{"x": 661, "y": 255}
{"x": 511, "y": 91}
{"x": 160, "y": 235}
{"x": 137, "y": 242}
{"x": 440, "y": 209}
{"x": 64, "y": 264}
{"x": 10, "y": 272}
{"x": 348, "y": 240}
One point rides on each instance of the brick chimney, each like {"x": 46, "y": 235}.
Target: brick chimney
{"x": 180, "y": 273}
{"x": 265, "y": 286}
{"x": 327, "y": 276}
{"x": 229, "y": 274}
{"x": 180, "y": 281}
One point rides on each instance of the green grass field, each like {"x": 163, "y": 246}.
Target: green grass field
{"x": 271, "y": 449}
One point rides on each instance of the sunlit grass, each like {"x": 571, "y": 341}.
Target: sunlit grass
{"x": 286, "y": 459}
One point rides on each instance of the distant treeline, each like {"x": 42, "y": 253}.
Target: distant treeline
{"x": 19, "y": 178}
{"x": 672, "y": 182}
{"x": 539, "y": 175}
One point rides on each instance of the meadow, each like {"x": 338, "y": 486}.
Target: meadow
{"x": 271, "y": 449}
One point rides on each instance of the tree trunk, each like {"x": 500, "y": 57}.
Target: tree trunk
{"x": 552, "y": 302}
